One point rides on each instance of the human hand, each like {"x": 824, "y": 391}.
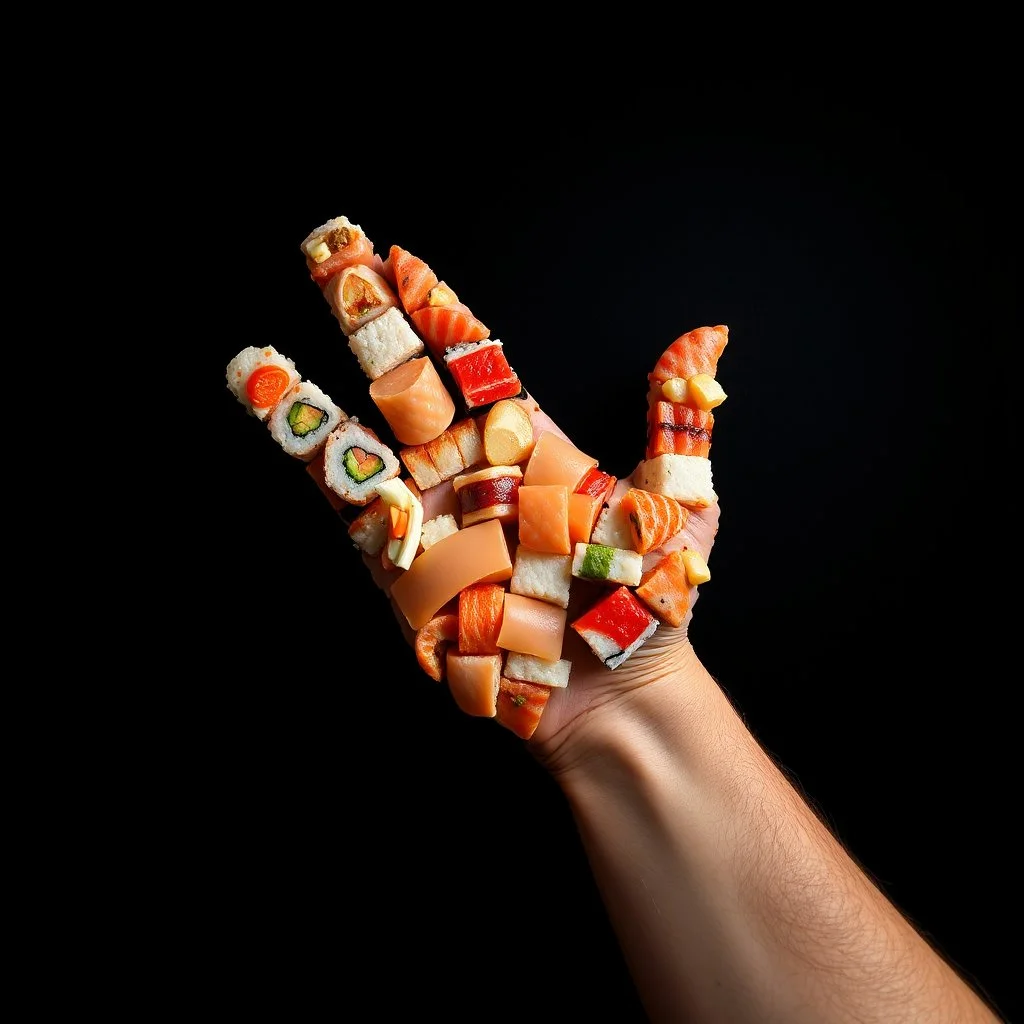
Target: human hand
{"x": 365, "y": 292}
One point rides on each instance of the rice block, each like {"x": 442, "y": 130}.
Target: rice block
{"x": 687, "y": 478}
{"x": 612, "y": 527}
{"x": 531, "y": 669}
{"x": 542, "y": 575}
{"x": 385, "y": 343}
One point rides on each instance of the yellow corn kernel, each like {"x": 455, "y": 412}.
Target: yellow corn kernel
{"x": 318, "y": 251}
{"x": 696, "y": 568}
{"x": 441, "y": 295}
{"x": 705, "y": 392}
{"x": 675, "y": 389}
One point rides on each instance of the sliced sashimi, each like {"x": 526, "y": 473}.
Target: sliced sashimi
{"x": 474, "y": 554}
{"x": 544, "y": 518}
{"x": 432, "y": 643}
{"x": 482, "y": 373}
{"x": 665, "y": 589}
{"x": 597, "y": 483}
{"x": 520, "y": 706}
{"x": 413, "y": 278}
{"x": 556, "y": 460}
{"x": 653, "y": 518}
{"x": 480, "y": 608}
{"x": 678, "y": 430}
{"x": 413, "y": 400}
{"x": 474, "y": 681}
{"x": 697, "y": 351}
{"x": 531, "y": 626}
{"x": 444, "y": 326}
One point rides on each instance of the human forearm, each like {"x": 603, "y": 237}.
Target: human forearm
{"x": 730, "y": 898}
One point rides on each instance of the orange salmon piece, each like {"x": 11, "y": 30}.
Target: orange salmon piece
{"x": 544, "y": 518}
{"x": 674, "y": 429}
{"x": 665, "y": 589}
{"x": 697, "y": 351}
{"x": 474, "y": 680}
{"x": 414, "y": 401}
{"x": 480, "y": 613}
{"x": 432, "y": 643}
{"x": 653, "y": 518}
{"x": 520, "y": 706}
{"x": 444, "y": 326}
{"x": 412, "y": 277}
{"x": 532, "y": 626}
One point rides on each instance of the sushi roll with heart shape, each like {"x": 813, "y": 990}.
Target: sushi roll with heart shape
{"x": 356, "y": 461}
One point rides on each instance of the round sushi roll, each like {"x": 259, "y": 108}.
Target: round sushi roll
{"x": 259, "y": 376}
{"x": 303, "y": 419}
{"x": 355, "y": 461}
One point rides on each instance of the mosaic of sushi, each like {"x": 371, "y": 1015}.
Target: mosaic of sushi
{"x": 303, "y": 419}
{"x": 482, "y": 373}
{"x": 616, "y": 627}
{"x": 356, "y": 461}
{"x": 259, "y": 376}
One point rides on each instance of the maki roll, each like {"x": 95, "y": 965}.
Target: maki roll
{"x": 355, "y": 461}
{"x": 303, "y": 419}
{"x": 616, "y": 626}
{"x": 259, "y": 376}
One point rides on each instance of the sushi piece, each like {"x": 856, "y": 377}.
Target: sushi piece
{"x": 334, "y": 245}
{"x": 612, "y": 527}
{"x": 598, "y": 484}
{"x": 413, "y": 278}
{"x": 520, "y": 706}
{"x": 405, "y": 521}
{"x": 674, "y": 429}
{"x": 665, "y": 589}
{"x": 384, "y": 343}
{"x": 480, "y": 611}
{"x": 444, "y": 326}
{"x": 450, "y": 453}
{"x": 482, "y": 373}
{"x": 413, "y": 400}
{"x": 437, "y": 528}
{"x": 303, "y": 419}
{"x": 508, "y": 433}
{"x": 355, "y": 461}
{"x": 528, "y": 669}
{"x": 583, "y": 512}
{"x": 433, "y": 642}
{"x": 556, "y": 460}
{"x": 616, "y": 627}
{"x": 653, "y": 518}
{"x": 358, "y": 295}
{"x": 532, "y": 627}
{"x": 697, "y": 351}
{"x": 474, "y": 681}
{"x": 369, "y": 530}
{"x": 543, "y": 576}
{"x": 613, "y": 565}
{"x": 259, "y": 376}
{"x": 489, "y": 493}
{"x": 687, "y": 478}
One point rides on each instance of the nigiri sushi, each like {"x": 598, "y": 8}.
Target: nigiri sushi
{"x": 616, "y": 627}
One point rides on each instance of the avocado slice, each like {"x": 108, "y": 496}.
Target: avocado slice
{"x": 360, "y": 465}
{"x": 597, "y": 561}
{"x": 304, "y": 419}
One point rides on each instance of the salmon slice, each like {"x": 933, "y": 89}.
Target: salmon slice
{"x": 413, "y": 400}
{"x": 666, "y": 590}
{"x": 358, "y": 250}
{"x": 544, "y": 518}
{"x": 474, "y": 681}
{"x": 532, "y": 626}
{"x": 413, "y": 278}
{"x": 480, "y": 608}
{"x": 697, "y": 351}
{"x": 520, "y": 705}
{"x": 674, "y": 429}
{"x": 432, "y": 643}
{"x": 653, "y": 518}
{"x": 444, "y": 326}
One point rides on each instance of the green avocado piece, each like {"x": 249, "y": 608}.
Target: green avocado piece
{"x": 597, "y": 562}
{"x": 303, "y": 419}
{"x": 360, "y": 465}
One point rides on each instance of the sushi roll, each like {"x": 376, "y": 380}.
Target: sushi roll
{"x": 358, "y": 295}
{"x": 384, "y": 343}
{"x": 303, "y": 419}
{"x": 334, "y": 245}
{"x": 616, "y": 626}
{"x": 259, "y": 376}
{"x": 489, "y": 493}
{"x": 678, "y": 430}
{"x": 355, "y": 461}
{"x": 482, "y": 373}
{"x": 613, "y": 565}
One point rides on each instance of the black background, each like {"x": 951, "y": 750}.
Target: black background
{"x": 357, "y": 832}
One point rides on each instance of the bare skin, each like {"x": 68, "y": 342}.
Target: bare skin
{"x": 731, "y": 900}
